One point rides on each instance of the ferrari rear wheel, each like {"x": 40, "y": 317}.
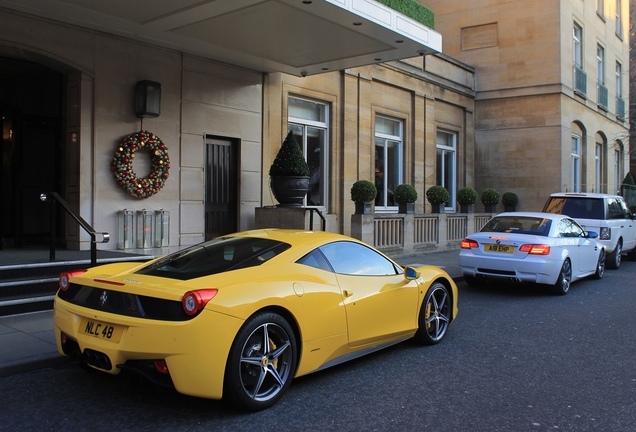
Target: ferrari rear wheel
{"x": 562, "y": 284}
{"x": 262, "y": 362}
{"x": 435, "y": 315}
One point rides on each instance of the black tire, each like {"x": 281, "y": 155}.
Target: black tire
{"x": 262, "y": 362}
{"x": 435, "y": 315}
{"x": 600, "y": 265}
{"x": 613, "y": 260}
{"x": 562, "y": 284}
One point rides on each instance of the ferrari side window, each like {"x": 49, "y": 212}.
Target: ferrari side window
{"x": 356, "y": 259}
{"x": 316, "y": 259}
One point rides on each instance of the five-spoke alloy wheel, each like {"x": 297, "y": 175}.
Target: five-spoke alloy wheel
{"x": 262, "y": 362}
{"x": 435, "y": 315}
{"x": 562, "y": 285}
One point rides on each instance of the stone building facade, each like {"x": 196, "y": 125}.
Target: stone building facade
{"x": 552, "y": 79}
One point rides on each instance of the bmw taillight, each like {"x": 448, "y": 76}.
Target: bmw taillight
{"x": 65, "y": 278}
{"x": 468, "y": 244}
{"x": 535, "y": 249}
{"x": 195, "y": 301}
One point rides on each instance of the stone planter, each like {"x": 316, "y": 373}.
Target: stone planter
{"x": 289, "y": 191}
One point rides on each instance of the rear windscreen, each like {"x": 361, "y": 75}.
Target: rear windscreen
{"x": 518, "y": 224}
{"x": 216, "y": 256}
{"x": 576, "y": 207}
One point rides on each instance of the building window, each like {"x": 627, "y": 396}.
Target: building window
{"x": 619, "y": 19}
{"x": 578, "y": 45}
{"x": 600, "y": 6}
{"x": 619, "y": 80}
{"x": 600, "y": 64}
{"x": 576, "y": 163}
{"x": 598, "y": 167}
{"x": 308, "y": 120}
{"x": 617, "y": 170}
{"x": 447, "y": 163}
{"x": 388, "y": 160}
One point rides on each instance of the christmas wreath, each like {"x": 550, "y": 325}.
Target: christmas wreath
{"x": 122, "y": 164}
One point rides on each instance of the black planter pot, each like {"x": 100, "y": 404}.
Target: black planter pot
{"x": 490, "y": 208}
{"x": 438, "y": 208}
{"x": 289, "y": 191}
{"x": 510, "y": 207}
{"x": 364, "y": 207}
{"x": 466, "y": 208}
{"x": 406, "y": 208}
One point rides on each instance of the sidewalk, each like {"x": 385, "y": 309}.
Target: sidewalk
{"x": 27, "y": 341}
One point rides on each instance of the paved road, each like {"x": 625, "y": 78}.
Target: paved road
{"x": 517, "y": 359}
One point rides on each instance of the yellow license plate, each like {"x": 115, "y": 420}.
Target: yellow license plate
{"x": 499, "y": 248}
{"x": 101, "y": 330}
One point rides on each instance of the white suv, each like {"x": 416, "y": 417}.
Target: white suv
{"x": 607, "y": 215}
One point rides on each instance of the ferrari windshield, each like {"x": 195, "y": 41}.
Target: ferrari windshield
{"x": 216, "y": 256}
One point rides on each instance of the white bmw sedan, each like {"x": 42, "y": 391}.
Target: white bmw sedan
{"x": 532, "y": 247}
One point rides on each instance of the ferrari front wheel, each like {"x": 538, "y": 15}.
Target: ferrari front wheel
{"x": 435, "y": 315}
{"x": 262, "y": 362}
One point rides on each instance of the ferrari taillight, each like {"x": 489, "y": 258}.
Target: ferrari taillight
{"x": 194, "y": 301}
{"x": 65, "y": 278}
{"x": 535, "y": 249}
{"x": 467, "y": 244}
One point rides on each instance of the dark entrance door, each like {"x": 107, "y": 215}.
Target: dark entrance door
{"x": 221, "y": 184}
{"x": 31, "y": 108}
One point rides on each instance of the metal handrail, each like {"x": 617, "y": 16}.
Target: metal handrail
{"x": 311, "y": 217}
{"x": 54, "y": 197}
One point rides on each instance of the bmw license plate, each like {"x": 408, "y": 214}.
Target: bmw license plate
{"x": 499, "y": 248}
{"x": 101, "y": 330}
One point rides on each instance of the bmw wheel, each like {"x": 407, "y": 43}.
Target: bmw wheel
{"x": 614, "y": 259}
{"x": 262, "y": 362}
{"x": 562, "y": 285}
{"x": 435, "y": 315}
{"x": 600, "y": 265}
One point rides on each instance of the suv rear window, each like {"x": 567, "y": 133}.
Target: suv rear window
{"x": 576, "y": 207}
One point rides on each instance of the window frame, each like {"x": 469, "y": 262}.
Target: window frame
{"x": 575, "y": 155}
{"x": 382, "y": 199}
{"x": 304, "y": 124}
{"x": 442, "y": 150}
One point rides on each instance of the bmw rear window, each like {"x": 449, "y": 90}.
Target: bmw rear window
{"x": 216, "y": 256}
{"x": 518, "y": 224}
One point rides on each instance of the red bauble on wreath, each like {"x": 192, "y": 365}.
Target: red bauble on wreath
{"x": 122, "y": 163}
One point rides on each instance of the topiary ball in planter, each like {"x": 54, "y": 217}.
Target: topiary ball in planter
{"x": 363, "y": 192}
{"x": 405, "y": 195}
{"x": 438, "y": 196}
{"x": 289, "y": 174}
{"x": 466, "y": 197}
{"x": 490, "y": 199}
{"x": 510, "y": 200}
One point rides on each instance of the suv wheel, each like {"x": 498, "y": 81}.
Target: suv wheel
{"x": 614, "y": 259}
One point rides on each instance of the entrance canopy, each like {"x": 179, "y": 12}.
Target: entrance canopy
{"x": 298, "y": 37}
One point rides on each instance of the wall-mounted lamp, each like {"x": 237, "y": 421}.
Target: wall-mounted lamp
{"x": 147, "y": 99}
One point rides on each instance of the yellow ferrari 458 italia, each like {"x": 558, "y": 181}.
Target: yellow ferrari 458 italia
{"x": 240, "y": 316}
